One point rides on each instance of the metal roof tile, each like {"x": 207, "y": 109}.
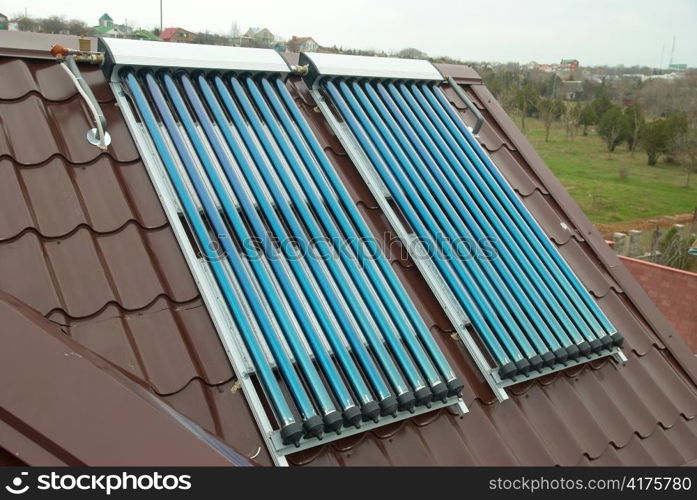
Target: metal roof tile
{"x": 18, "y": 77}
{"x": 165, "y": 344}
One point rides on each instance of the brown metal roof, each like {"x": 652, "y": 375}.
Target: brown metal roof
{"x": 83, "y": 240}
{"x": 67, "y": 406}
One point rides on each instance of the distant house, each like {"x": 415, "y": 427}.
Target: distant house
{"x": 107, "y": 28}
{"x": 302, "y": 44}
{"x": 258, "y": 37}
{"x": 146, "y": 35}
{"x": 177, "y": 35}
{"x": 4, "y": 22}
{"x": 569, "y": 64}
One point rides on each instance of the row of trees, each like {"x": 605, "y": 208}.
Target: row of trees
{"x": 658, "y": 117}
{"x": 54, "y": 24}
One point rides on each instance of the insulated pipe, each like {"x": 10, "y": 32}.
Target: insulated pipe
{"x": 312, "y": 423}
{"x": 310, "y": 189}
{"x": 332, "y": 419}
{"x": 468, "y": 102}
{"x": 101, "y": 139}
{"x": 465, "y": 187}
{"x": 367, "y": 289}
{"x": 329, "y": 328}
{"x": 291, "y": 431}
{"x": 317, "y": 239}
{"x": 507, "y": 364}
{"x": 365, "y": 253}
{"x": 370, "y": 370}
{"x": 602, "y": 327}
{"x": 507, "y": 267}
{"x": 440, "y": 228}
{"x": 432, "y": 194}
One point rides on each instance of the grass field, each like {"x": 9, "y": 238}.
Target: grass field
{"x": 592, "y": 177}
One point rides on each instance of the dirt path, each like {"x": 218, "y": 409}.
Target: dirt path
{"x": 643, "y": 224}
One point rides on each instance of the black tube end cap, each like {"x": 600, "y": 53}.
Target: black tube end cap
{"x": 292, "y": 433}
{"x": 548, "y": 358}
{"x": 573, "y": 352}
{"x": 586, "y": 348}
{"x": 561, "y": 355}
{"x": 617, "y": 339}
{"x": 370, "y": 410}
{"x": 536, "y": 362}
{"x": 440, "y": 391}
{"x": 388, "y": 406}
{"x": 332, "y": 421}
{"x": 607, "y": 342}
{"x": 423, "y": 396}
{"x": 405, "y": 402}
{"x": 313, "y": 427}
{"x": 455, "y": 387}
{"x": 596, "y": 345}
{"x": 523, "y": 366}
{"x": 508, "y": 370}
{"x": 351, "y": 416}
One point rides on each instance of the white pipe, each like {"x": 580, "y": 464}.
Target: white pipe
{"x": 93, "y": 109}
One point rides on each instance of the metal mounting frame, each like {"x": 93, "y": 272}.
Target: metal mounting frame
{"x": 436, "y": 282}
{"x": 224, "y": 324}
{"x": 220, "y": 315}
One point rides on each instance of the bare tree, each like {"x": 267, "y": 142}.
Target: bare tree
{"x": 235, "y": 31}
{"x": 78, "y": 27}
{"x": 635, "y": 120}
{"x": 550, "y": 110}
{"x": 54, "y": 24}
{"x": 412, "y": 53}
{"x": 25, "y": 23}
{"x": 571, "y": 120}
{"x": 685, "y": 151}
{"x": 526, "y": 98}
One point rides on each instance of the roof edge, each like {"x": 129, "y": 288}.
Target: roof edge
{"x": 97, "y": 415}
{"x": 462, "y": 73}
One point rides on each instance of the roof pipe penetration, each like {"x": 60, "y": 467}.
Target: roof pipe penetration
{"x": 68, "y": 59}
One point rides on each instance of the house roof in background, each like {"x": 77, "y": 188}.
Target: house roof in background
{"x": 674, "y": 292}
{"x": 168, "y": 33}
{"x": 84, "y": 240}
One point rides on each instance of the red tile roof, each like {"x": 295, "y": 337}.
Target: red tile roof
{"x": 85, "y": 243}
{"x": 168, "y": 33}
{"x": 673, "y": 291}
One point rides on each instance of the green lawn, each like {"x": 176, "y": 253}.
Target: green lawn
{"x": 592, "y": 177}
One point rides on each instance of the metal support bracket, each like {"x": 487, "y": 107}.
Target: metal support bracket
{"x": 468, "y": 102}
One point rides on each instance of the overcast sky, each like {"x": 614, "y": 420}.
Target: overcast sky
{"x": 593, "y": 31}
